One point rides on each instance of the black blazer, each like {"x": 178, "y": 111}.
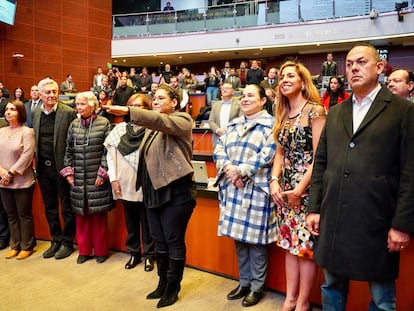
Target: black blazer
{"x": 64, "y": 116}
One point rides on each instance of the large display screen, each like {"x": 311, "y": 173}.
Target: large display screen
{"x": 7, "y": 11}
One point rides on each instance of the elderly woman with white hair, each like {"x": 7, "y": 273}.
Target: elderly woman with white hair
{"x": 85, "y": 169}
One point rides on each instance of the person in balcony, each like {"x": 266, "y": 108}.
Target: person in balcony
{"x": 168, "y": 7}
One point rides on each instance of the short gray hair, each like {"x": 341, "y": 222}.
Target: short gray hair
{"x": 90, "y": 99}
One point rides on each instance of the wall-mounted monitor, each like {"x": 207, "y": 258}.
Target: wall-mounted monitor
{"x": 7, "y": 11}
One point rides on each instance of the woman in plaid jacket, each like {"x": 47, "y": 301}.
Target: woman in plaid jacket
{"x": 244, "y": 156}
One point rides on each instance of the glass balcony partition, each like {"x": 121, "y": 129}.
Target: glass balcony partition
{"x": 241, "y": 14}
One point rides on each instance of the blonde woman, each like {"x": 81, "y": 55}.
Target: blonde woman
{"x": 299, "y": 121}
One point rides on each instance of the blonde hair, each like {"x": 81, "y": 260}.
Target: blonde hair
{"x": 309, "y": 92}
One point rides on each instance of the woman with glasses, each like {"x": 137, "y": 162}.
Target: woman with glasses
{"x": 123, "y": 160}
{"x": 85, "y": 169}
{"x": 166, "y": 177}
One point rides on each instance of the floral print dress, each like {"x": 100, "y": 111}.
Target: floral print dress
{"x": 296, "y": 140}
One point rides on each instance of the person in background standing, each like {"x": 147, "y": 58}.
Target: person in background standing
{"x": 242, "y": 73}
{"x": 299, "y": 121}
{"x": 223, "y": 112}
{"x": 34, "y": 102}
{"x": 335, "y": 93}
{"x": 167, "y": 73}
{"x": 212, "y": 82}
{"x": 68, "y": 86}
{"x": 6, "y": 93}
{"x": 17, "y": 180}
{"x": 85, "y": 170}
{"x": 122, "y": 93}
{"x": 50, "y": 123}
{"x": 98, "y": 77}
{"x": 122, "y": 144}
{"x": 19, "y": 94}
{"x": 233, "y": 79}
{"x": 272, "y": 79}
{"x": 255, "y": 75}
{"x": 401, "y": 82}
{"x": 3, "y": 103}
{"x": 144, "y": 81}
{"x": 329, "y": 67}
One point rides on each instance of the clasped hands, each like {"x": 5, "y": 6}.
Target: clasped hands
{"x": 289, "y": 197}
{"x": 6, "y": 178}
{"x": 234, "y": 175}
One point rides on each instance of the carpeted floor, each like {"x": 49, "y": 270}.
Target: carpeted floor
{"x": 49, "y": 284}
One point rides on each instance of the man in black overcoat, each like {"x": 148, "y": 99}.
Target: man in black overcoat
{"x": 362, "y": 190}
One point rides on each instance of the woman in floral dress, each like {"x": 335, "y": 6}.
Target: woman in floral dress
{"x": 299, "y": 121}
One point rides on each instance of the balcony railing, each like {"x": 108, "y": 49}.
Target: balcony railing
{"x": 242, "y": 14}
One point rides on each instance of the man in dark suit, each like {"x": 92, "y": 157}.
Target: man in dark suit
{"x": 51, "y": 122}
{"x": 233, "y": 79}
{"x": 271, "y": 81}
{"x": 361, "y": 196}
{"x": 32, "y": 104}
{"x": 223, "y": 112}
{"x": 144, "y": 81}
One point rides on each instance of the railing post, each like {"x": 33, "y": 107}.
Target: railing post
{"x": 205, "y": 19}
{"x": 147, "y": 20}
{"x": 234, "y": 16}
{"x": 175, "y": 22}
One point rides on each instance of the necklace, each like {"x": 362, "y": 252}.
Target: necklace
{"x": 13, "y": 130}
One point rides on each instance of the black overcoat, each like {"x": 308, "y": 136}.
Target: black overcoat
{"x": 362, "y": 185}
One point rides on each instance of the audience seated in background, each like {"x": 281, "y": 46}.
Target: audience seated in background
{"x": 98, "y": 77}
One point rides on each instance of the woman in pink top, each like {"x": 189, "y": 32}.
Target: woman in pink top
{"x": 17, "y": 144}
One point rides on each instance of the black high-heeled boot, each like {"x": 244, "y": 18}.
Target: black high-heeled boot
{"x": 162, "y": 268}
{"x": 175, "y": 275}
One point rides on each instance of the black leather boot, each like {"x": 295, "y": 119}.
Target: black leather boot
{"x": 175, "y": 275}
{"x": 162, "y": 268}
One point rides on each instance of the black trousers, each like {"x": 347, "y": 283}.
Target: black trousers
{"x": 136, "y": 221}
{"x": 53, "y": 186}
{"x": 18, "y": 206}
{"x": 168, "y": 224}
{"x": 4, "y": 226}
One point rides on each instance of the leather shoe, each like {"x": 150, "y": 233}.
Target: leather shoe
{"x": 252, "y": 298}
{"x": 64, "y": 251}
{"x": 238, "y": 293}
{"x": 51, "y": 251}
{"x": 149, "y": 264}
{"x": 101, "y": 259}
{"x": 133, "y": 262}
{"x": 24, "y": 254}
{"x": 3, "y": 244}
{"x": 12, "y": 253}
{"x": 83, "y": 258}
